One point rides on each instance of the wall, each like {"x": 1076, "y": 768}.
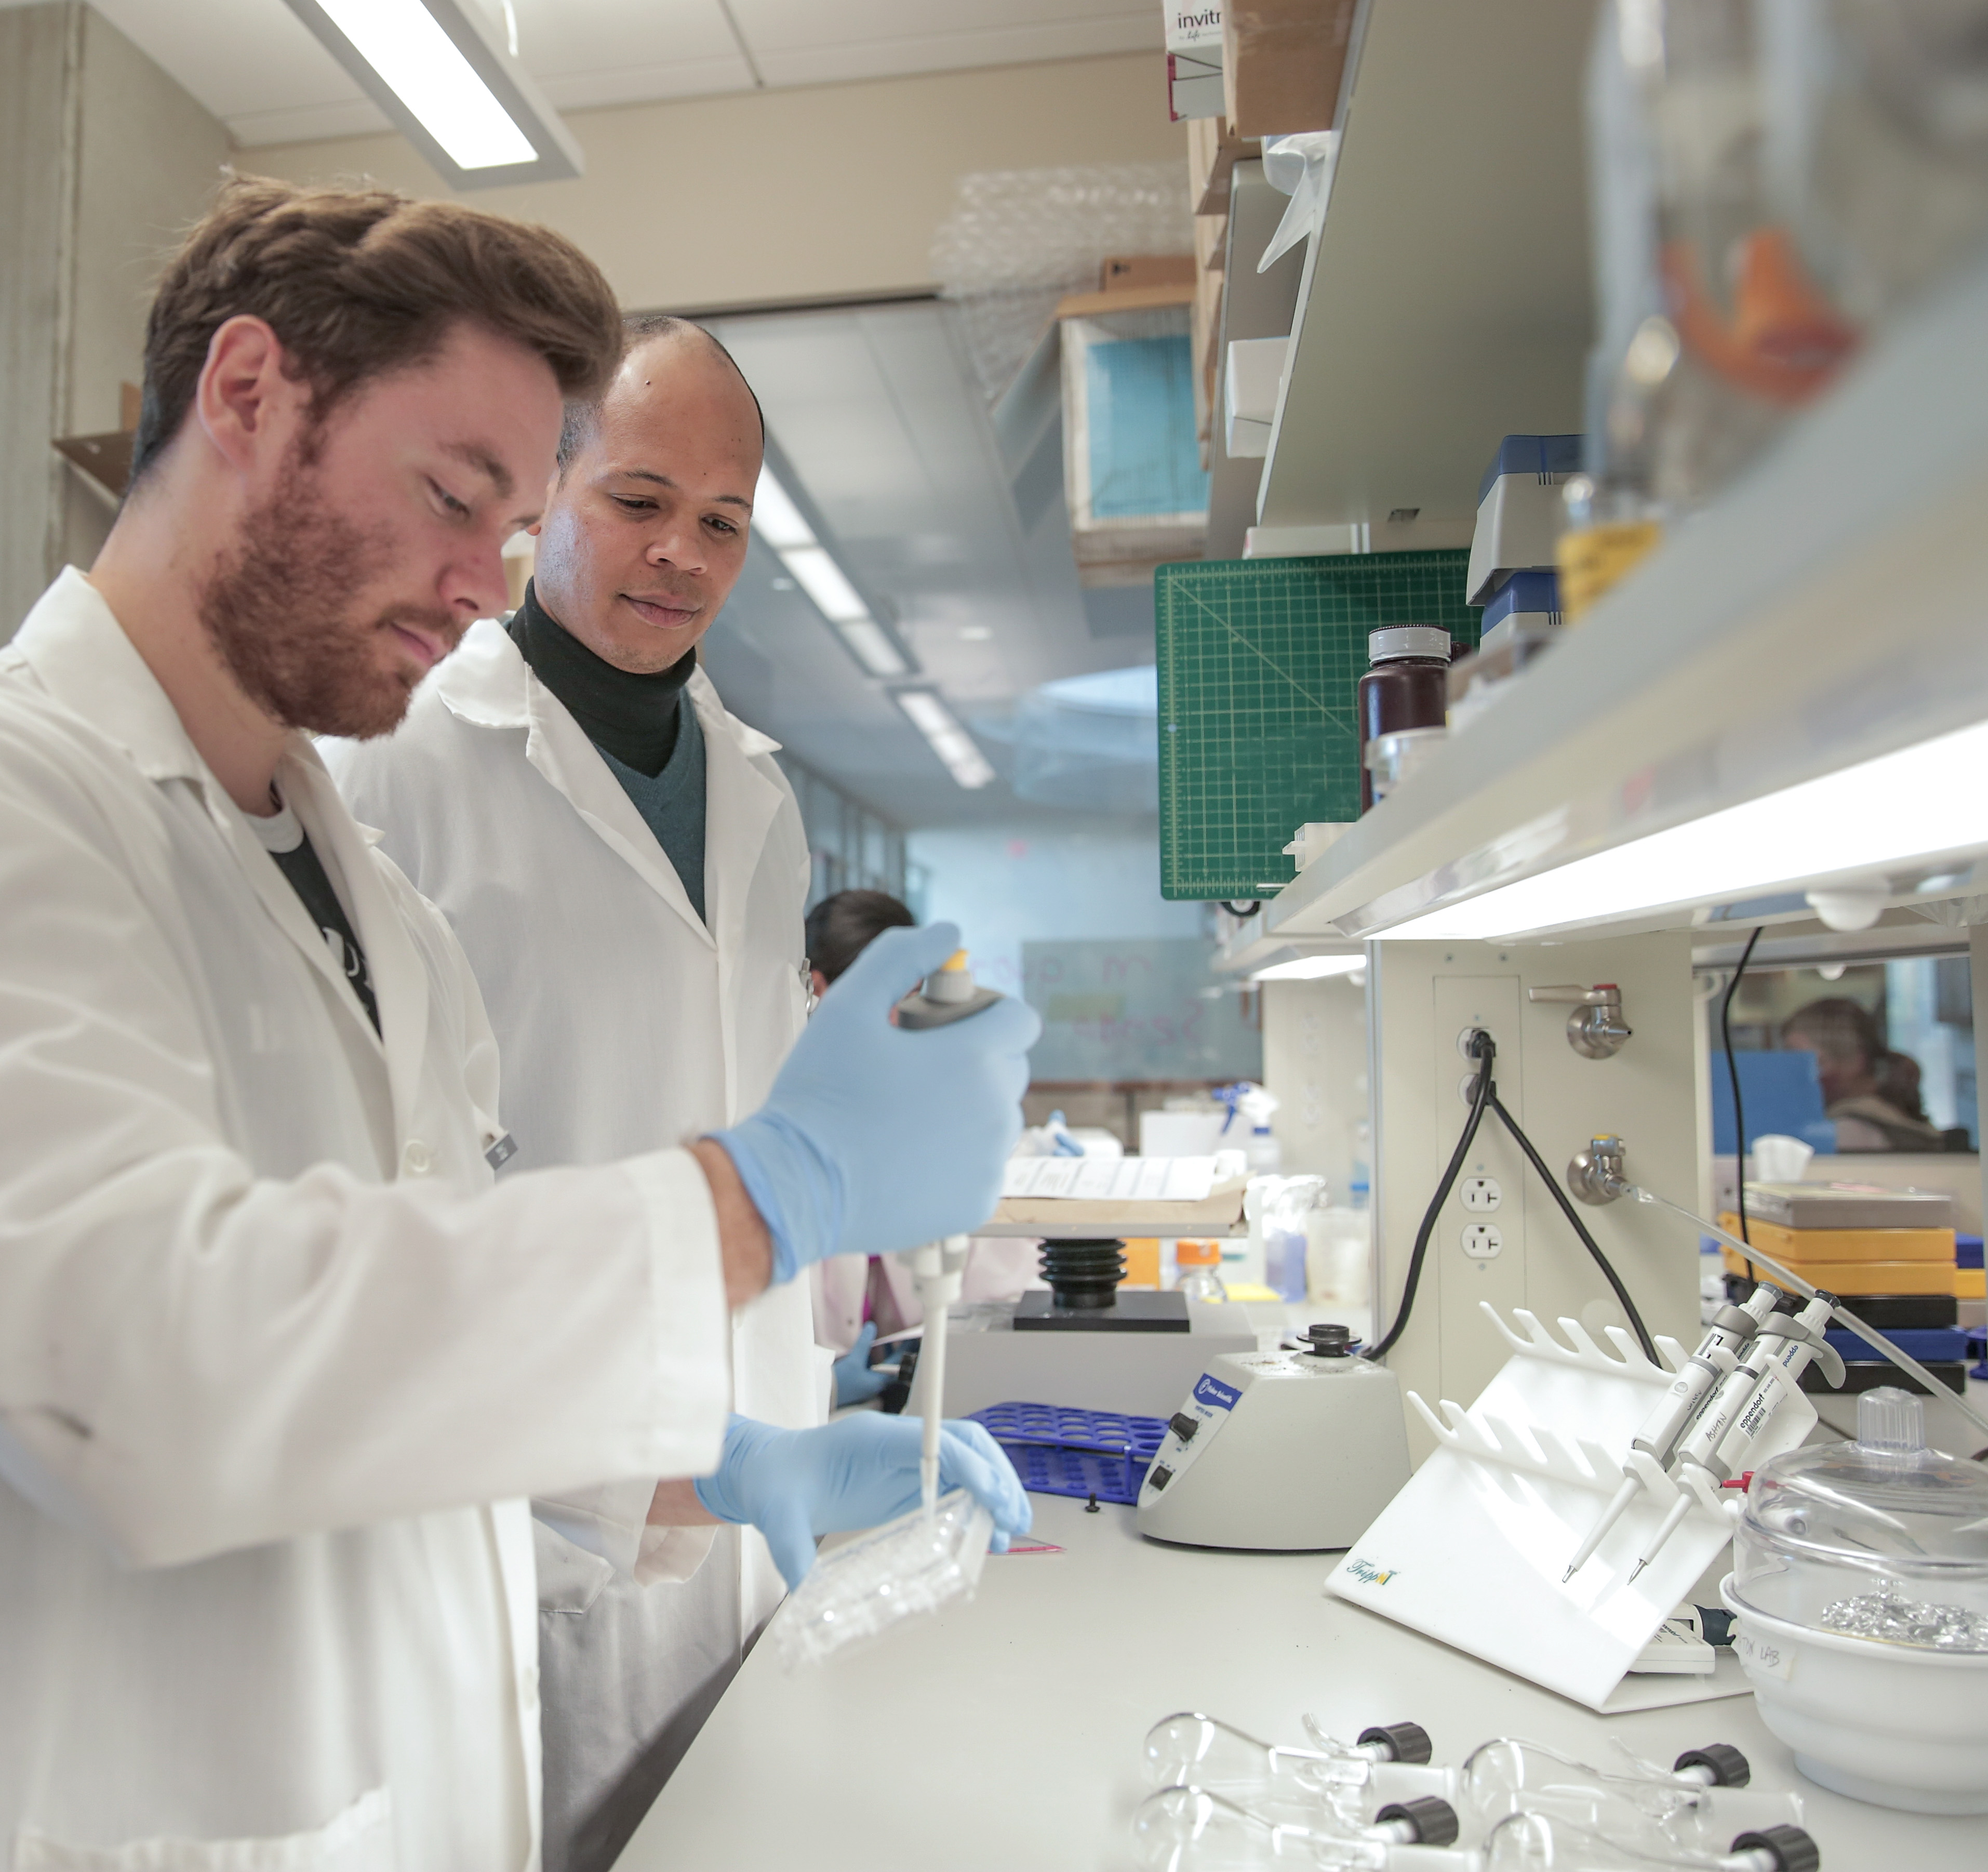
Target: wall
{"x": 106, "y": 159}
{"x": 1006, "y": 888}
{"x": 39, "y": 50}
{"x": 1315, "y": 1062}
{"x": 772, "y": 197}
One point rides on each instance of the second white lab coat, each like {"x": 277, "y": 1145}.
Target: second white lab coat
{"x": 269, "y": 1336}
{"x": 624, "y": 1024}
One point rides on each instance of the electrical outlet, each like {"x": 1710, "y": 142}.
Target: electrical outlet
{"x": 1465, "y": 1035}
{"x": 1482, "y": 1241}
{"x": 1480, "y": 1194}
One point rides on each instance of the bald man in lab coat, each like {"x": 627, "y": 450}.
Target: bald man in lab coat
{"x": 625, "y": 865}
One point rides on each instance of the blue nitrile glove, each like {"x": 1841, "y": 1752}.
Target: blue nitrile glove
{"x": 877, "y": 1138}
{"x": 858, "y": 1472}
{"x": 856, "y": 1380}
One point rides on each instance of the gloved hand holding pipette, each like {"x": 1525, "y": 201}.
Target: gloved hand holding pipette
{"x": 856, "y": 1472}
{"x": 877, "y": 1138}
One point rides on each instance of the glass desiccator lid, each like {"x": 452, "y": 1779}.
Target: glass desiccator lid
{"x": 1879, "y": 1538}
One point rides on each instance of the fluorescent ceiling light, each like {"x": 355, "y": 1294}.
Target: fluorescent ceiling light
{"x": 871, "y": 646}
{"x": 781, "y": 524}
{"x": 775, "y": 519}
{"x": 953, "y": 744}
{"x": 434, "y": 67}
{"x": 1900, "y": 810}
{"x": 825, "y": 582}
{"x": 1311, "y": 968}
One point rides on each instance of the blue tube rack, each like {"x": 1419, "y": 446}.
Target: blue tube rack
{"x": 1057, "y": 1450}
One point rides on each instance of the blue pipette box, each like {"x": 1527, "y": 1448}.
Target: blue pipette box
{"x": 1057, "y": 1450}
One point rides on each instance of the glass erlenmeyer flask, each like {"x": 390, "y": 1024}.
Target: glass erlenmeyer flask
{"x": 1194, "y": 1750}
{"x": 1546, "y": 1842}
{"x": 1636, "y": 1802}
{"x": 1190, "y": 1830}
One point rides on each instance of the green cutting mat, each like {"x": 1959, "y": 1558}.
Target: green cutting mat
{"x": 1259, "y": 659}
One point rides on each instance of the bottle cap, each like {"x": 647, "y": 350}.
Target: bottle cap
{"x": 1197, "y": 1254}
{"x": 1405, "y": 640}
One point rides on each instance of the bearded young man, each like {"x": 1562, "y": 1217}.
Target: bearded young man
{"x": 278, "y": 1364}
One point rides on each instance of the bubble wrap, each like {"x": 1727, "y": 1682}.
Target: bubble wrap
{"x": 1019, "y": 240}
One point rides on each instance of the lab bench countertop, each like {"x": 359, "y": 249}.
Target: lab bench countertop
{"x": 1005, "y": 1732}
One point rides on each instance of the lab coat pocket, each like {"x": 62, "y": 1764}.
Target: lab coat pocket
{"x": 570, "y": 1576}
{"x": 359, "y": 1840}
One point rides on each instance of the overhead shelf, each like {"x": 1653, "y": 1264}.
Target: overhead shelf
{"x": 1827, "y": 610}
{"x": 1446, "y": 302}
{"x": 1254, "y": 304}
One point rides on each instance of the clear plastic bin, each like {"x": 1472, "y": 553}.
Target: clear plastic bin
{"x": 913, "y": 1565}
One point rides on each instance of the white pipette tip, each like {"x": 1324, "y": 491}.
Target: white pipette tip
{"x": 1596, "y": 1535}
{"x": 1667, "y": 1526}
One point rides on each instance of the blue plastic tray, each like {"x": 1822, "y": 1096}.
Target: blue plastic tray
{"x": 1059, "y": 1451}
{"x": 1929, "y": 1345}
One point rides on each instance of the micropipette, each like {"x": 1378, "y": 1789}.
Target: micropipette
{"x": 1717, "y": 1354}
{"x": 1795, "y": 1283}
{"x": 948, "y": 993}
{"x": 938, "y": 1268}
{"x": 1730, "y": 1427}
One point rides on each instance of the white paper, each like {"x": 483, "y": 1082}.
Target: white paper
{"x": 1116, "y": 1180}
{"x": 1094, "y": 1179}
{"x": 1189, "y": 1179}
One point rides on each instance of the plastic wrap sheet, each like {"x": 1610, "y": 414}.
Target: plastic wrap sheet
{"x": 1019, "y": 240}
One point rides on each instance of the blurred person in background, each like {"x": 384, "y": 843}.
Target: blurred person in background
{"x": 859, "y": 1298}
{"x": 1871, "y": 1093}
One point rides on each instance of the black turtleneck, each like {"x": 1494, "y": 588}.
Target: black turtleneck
{"x": 634, "y": 718}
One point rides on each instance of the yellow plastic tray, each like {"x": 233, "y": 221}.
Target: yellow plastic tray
{"x": 1799, "y": 1246}
{"x": 1864, "y": 1277}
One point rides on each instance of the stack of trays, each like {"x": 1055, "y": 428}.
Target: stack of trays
{"x": 1890, "y": 1253}
{"x": 1058, "y": 1451}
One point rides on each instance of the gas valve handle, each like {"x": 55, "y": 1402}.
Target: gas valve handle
{"x": 1604, "y": 994}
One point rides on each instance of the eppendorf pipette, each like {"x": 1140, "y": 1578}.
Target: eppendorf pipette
{"x": 947, "y": 994}
{"x": 1795, "y": 1283}
{"x": 1739, "y": 1411}
{"x": 1717, "y": 1353}
{"x": 937, "y": 1268}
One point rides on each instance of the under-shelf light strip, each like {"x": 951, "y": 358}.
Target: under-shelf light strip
{"x": 1311, "y": 968}
{"x": 418, "y": 62}
{"x": 779, "y": 522}
{"x": 953, "y": 744}
{"x": 1920, "y": 804}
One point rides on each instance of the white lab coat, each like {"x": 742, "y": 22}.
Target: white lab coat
{"x": 624, "y": 1025}
{"x": 268, "y": 1335}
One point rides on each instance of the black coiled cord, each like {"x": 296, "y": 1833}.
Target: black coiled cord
{"x": 1484, "y": 1097}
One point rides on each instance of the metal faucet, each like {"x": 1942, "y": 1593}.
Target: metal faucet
{"x": 1596, "y": 1029}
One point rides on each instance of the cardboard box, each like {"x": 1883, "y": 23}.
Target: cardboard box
{"x": 1213, "y": 151}
{"x": 1128, "y": 272}
{"x": 1194, "y": 59}
{"x": 1282, "y": 61}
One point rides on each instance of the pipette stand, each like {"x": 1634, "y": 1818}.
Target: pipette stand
{"x": 1472, "y": 1552}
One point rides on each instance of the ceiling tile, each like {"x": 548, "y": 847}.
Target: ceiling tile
{"x": 777, "y": 26}
{"x": 802, "y": 54}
